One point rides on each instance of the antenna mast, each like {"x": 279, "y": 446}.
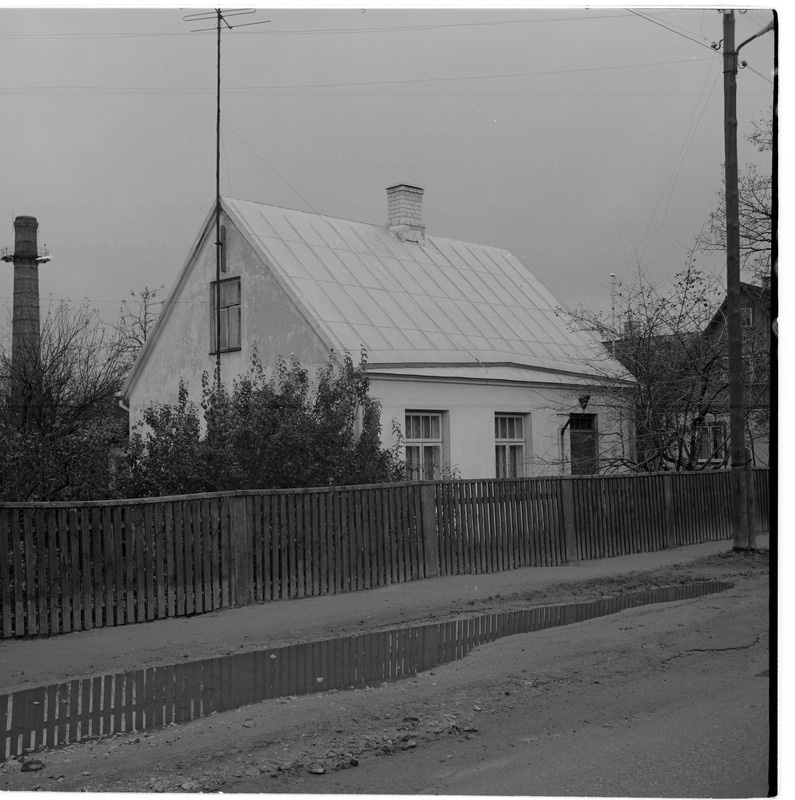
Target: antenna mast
{"x": 218, "y": 205}
{"x": 613, "y": 310}
{"x": 219, "y": 16}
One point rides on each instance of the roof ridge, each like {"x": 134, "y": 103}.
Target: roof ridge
{"x": 381, "y": 226}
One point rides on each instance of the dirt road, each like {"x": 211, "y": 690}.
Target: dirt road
{"x": 662, "y": 700}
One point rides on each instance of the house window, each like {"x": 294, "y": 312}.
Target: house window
{"x": 423, "y": 445}
{"x": 229, "y": 314}
{"x": 509, "y": 445}
{"x": 747, "y": 316}
{"x": 583, "y": 444}
{"x": 712, "y": 444}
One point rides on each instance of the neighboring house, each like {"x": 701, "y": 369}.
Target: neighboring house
{"x": 694, "y": 415}
{"x": 756, "y": 320}
{"x": 466, "y": 351}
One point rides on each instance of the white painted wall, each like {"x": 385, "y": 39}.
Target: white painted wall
{"x": 470, "y": 410}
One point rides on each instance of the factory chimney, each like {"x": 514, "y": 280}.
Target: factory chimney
{"x": 25, "y": 332}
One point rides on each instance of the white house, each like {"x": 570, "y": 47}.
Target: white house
{"x": 465, "y": 347}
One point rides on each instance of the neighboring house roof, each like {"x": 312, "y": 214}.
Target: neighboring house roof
{"x": 441, "y": 305}
{"x": 759, "y": 296}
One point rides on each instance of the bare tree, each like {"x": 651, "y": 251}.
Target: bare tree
{"x": 59, "y": 418}
{"x": 756, "y": 211}
{"x": 664, "y": 334}
{"x": 137, "y": 317}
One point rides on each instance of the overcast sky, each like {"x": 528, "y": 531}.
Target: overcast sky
{"x": 582, "y": 140}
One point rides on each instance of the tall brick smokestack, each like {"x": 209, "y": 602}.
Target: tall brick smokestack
{"x": 26, "y": 332}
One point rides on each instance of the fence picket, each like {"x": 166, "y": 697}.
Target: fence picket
{"x": 29, "y": 560}
{"x": 63, "y": 570}
{"x": 140, "y": 562}
{"x": 105, "y": 529}
{"x": 42, "y": 562}
{"x": 283, "y": 549}
{"x": 168, "y": 546}
{"x": 158, "y": 565}
{"x": 256, "y": 525}
{"x": 179, "y": 560}
{"x": 74, "y": 570}
{"x": 198, "y": 557}
{"x": 187, "y": 542}
{"x": 98, "y": 574}
{"x": 149, "y": 562}
{"x": 6, "y": 609}
{"x": 215, "y": 552}
{"x": 379, "y": 531}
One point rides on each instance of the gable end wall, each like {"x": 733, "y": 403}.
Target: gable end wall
{"x": 270, "y": 321}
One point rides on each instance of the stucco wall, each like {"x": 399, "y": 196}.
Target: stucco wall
{"x": 270, "y": 321}
{"x": 469, "y": 410}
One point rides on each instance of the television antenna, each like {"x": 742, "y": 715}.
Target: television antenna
{"x": 221, "y": 17}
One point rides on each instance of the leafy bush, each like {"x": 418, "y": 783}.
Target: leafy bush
{"x": 273, "y": 429}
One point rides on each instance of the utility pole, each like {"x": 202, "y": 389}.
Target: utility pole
{"x": 743, "y": 528}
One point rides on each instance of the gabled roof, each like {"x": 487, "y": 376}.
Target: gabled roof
{"x": 433, "y": 306}
{"x": 443, "y": 303}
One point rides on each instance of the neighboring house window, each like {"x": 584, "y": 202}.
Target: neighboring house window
{"x": 509, "y": 445}
{"x": 423, "y": 445}
{"x": 583, "y": 443}
{"x": 230, "y": 314}
{"x": 712, "y": 446}
{"x": 747, "y": 316}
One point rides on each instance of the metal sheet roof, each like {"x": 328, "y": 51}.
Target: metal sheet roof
{"x": 445, "y": 302}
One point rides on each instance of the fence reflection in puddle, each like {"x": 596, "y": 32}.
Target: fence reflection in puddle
{"x": 49, "y": 716}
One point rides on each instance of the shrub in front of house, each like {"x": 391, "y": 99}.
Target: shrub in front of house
{"x": 272, "y": 429}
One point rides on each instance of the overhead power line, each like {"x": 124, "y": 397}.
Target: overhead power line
{"x": 672, "y": 29}
{"x": 684, "y": 148}
{"x": 314, "y": 31}
{"x": 344, "y": 84}
{"x": 271, "y": 168}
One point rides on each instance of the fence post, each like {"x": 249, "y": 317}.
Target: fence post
{"x": 753, "y": 507}
{"x": 242, "y": 553}
{"x": 668, "y": 501}
{"x": 569, "y": 529}
{"x": 430, "y": 533}
{"x": 762, "y": 497}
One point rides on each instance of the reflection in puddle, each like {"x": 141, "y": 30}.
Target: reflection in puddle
{"x": 133, "y": 701}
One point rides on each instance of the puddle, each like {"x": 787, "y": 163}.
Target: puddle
{"x": 50, "y": 716}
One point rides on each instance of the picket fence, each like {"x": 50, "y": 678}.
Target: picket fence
{"x": 69, "y": 567}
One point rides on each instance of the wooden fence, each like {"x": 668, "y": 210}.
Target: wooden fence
{"x": 76, "y": 567}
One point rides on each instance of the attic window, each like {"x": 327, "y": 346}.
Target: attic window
{"x": 230, "y": 314}
{"x": 747, "y": 316}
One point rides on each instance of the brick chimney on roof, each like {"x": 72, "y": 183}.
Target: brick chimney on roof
{"x": 404, "y": 212}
